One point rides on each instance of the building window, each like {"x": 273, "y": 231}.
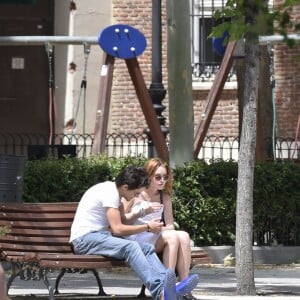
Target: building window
{"x": 205, "y": 59}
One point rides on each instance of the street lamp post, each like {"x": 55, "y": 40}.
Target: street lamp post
{"x": 156, "y": 89}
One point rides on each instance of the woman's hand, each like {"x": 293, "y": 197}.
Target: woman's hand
{"x": 153, "y": 207}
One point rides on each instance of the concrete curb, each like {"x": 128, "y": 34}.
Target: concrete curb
{"x": 262, "y": 254}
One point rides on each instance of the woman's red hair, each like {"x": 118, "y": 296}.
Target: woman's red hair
{"x": 153, "y": 164}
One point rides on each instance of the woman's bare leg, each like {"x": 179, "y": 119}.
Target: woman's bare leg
{"x": 176, "y": 252}
{"x": 168, "y": 245}
{"x": 184, "y": 255}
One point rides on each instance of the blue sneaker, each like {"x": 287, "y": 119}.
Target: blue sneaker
{"x": 187, "y": 285}
{"x": 169, "y": 285}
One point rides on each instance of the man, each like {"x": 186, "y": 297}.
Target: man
{"x": 97, "y": 229}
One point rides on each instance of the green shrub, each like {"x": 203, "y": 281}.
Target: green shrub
{"x": 117, "y": 164}
{"x": 204, "y": 201}
{"x": 204, "y": 194}
{"x": 52, "y": 180}
{"x": 277, "y": 202}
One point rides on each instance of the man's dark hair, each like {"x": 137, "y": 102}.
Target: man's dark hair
{"x": 134, "y": 176}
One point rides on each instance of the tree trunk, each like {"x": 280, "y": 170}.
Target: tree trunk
{"x": 264, "y": 141}
{"x": 181, "y": 115}
{"x": 244, "y": 212}
{"x": 240, "y": 74}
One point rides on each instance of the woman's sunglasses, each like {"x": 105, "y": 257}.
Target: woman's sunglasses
{"x": 159, "y": 177}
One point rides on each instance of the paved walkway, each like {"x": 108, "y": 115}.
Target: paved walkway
{"x": 216, "y": 282}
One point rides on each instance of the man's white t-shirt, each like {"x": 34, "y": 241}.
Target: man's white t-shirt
{"x": 91, "y": 211}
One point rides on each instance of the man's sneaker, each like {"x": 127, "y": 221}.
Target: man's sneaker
{"x": 169, "y": 285}
{"x": 187, "y": 285}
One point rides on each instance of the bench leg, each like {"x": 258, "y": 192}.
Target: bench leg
{"x": 10, "y": 281}
{"x": 99, "y": 282}
{"x": 142, "y": 293}
{"x": 48, "y": 285}
{"x": 57, "y": 281}
{"x": 27, "y": 271}
{"x": 15, "y": 272}
{"x": 2, "y": 283}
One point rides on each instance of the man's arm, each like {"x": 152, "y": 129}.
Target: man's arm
{"x": 118, "y": 228}
{"x": 128, "y": 216}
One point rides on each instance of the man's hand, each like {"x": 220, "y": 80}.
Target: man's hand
{"x": 155, "y": 225}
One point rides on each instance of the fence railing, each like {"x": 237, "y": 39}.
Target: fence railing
{"x": 121, "y": 145}
{"x": 35, "y": 146}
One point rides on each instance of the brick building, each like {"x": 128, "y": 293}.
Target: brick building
{"x": 24, "y": 107}
{"x": 126, "y": 115}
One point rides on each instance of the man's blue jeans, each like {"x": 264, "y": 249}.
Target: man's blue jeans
{"x": 141, "y": 257}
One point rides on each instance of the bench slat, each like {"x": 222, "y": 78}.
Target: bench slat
{"x": 27, "y": 232}
{"x": 38, "y": 240}
{"x": 14, "y": 256}
{"x": 39, "y": 207}
{"x": 40, "y": 224}
{"x": 36, "y": 248}
{"x": 76, "y": 257}
{"x": 200, "y": 260}
{"x": 28, "y": 216}
{"x": 59, "y": 264}
{"x": 199, "y": 254}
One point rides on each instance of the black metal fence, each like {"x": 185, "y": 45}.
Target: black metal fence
{"x": 35, "y": 146}
{"x": 121, "y": 145}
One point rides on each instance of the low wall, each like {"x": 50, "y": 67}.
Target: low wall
{"x": 262, "y": 254}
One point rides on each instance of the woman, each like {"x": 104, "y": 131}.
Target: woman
{"x": 155, "y": 202}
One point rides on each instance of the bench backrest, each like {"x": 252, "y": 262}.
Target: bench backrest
{"x": 37, "y": 227}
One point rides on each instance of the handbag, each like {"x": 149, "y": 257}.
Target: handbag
{"x": 162, "y": 202}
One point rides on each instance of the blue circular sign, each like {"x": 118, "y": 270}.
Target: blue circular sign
{"x": 122, "y": 41}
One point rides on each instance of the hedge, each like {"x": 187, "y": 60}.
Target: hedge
{"x": 204, "y": 194}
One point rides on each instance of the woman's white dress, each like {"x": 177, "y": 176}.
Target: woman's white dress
{"x": 144, "y": 237}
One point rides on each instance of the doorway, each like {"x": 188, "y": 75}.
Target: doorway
{"x": 24, "y": 70}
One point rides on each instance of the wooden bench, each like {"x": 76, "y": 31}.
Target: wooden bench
{"x": 37, "y": 243}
